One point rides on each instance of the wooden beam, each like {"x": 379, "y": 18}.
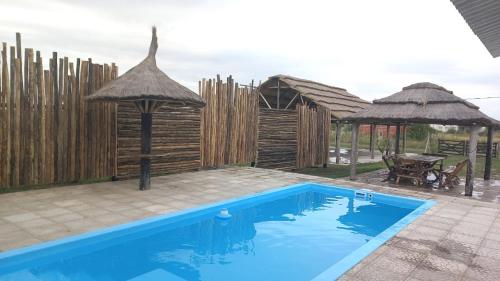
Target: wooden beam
{"x": 354, "y": 150}
{"x": 262, "y": 96}
{"x": 372, "y": 140}
{"x": 398, "y": 137}
{"x": 388, "y": 145}
{"x": 276, "y": 87}
{"x": 290, "y": 103}
{"x": 404, "y": 138}
{"x": 338, "y": 131}
{"x": 146, "y": 134}
{"x": 278, "y": 96}
{"x": 471, "y": 164}
{"x": 487, "y": 164}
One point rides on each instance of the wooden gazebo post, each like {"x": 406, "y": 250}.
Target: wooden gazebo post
{"x": 398, "y": 137}
{"x": 148, "y": 88}
{"x": 338, "y": 131}
{"x": 471, "y": 163}
{"x": 354, "y": 150}
{"x": 373, "y": 128}
{"x": 489, "y": 152}
{"x": 146, "y": 107}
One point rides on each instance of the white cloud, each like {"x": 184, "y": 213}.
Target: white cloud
{"x": 372, "y": 48}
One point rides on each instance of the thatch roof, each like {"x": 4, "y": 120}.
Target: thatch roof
{"x": 147, "y": 82}
{"x": 423, "y": 103}
{"x": 340, "y": 102}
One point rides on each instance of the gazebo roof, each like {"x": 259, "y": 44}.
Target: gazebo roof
{"x": 340, "y": 102}
{"x": 147, "y": 82}
{"x": 423, "y": 103}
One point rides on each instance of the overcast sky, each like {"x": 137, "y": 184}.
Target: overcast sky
{"x": 371, "y": 48}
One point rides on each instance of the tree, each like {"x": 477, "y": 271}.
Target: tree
{"x": 419, "y": 131}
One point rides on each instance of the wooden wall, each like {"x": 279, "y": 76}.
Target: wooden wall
{"x": 313, "y": 136}
{"x": 176, "y": 140}
{"x": 48, "y": 133}
{"x": 277, "y": 139}
{"x": 228, "y": 122}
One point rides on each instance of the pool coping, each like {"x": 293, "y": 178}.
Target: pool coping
{"x": 19, "y": 255}
{"x": 349, "y": 261}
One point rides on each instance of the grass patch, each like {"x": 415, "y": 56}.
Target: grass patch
{"x": 339, "y": 171}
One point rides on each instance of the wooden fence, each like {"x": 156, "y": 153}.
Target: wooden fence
{"x": 48, "y": 133}
{"x": 176, "y": 140}
{"x": 228, "y": 122}
{"x": 461, "y": 147}
{"x": 277, "y": 139}
{"x": 313, "y": 136}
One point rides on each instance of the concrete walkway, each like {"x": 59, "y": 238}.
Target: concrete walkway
{"x": 458, "y": 239}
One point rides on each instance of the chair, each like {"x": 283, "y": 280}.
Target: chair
{"x": 449, "y": 177}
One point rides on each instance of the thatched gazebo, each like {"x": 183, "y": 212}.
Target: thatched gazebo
{"x": 285, "y": 91}
{"x": 148, "y": 88}
{"x": 427, "y": 103}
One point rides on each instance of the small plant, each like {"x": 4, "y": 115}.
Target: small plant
{"x": 382, "y": 145}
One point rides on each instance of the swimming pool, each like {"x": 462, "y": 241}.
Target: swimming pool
{"x": 306, "y": 231}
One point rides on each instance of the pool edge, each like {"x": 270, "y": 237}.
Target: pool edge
{"x": 331, "y": 273}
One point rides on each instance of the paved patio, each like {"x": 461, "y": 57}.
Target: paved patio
{"x": 488, "y": 191}
{"x": 458, "y": 239}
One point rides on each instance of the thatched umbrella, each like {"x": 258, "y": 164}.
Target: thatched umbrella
{"x": 148, "y": 88}
{"x": 426, "y": 103}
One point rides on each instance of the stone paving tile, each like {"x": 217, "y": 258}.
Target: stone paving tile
{"x": 53, "y": 212}
{"x": 493, "y": 235}
{"x": 489, "y": 252}
{"x": 21, "y": 217}
{"x": 456, "y": 239}
{"x": 67, "y": 217}
{"x": 483, "y": 268}
{"x": 432, "y": 274}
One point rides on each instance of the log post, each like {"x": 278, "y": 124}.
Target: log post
{"x": 372, "y": 141}
{"x": 404, "y": 138}
{"x": 338, "y": 130}
{"x": 388, "y": 135}
{"x": 471, "y": 163}
{"x": 146, "y": 133}
{"x": 354, "y": 150}
{"x": 278, "y": 96}
{"x": 398, "y": 137}
{"x": 487, "y": 164}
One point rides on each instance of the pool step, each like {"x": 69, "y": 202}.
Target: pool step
{"x": 365, "y": 194}
{"x": 157, "y": 274}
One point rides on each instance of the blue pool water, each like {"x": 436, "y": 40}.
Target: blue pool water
{"x": 301, "y": 232}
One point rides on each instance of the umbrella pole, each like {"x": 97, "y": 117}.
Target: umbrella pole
{"x": 146, "y": 124}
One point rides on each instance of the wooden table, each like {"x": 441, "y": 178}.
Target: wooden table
{"x": 418, "y": 167}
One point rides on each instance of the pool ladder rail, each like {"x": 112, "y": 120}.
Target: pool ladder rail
{"x": 364, "y": 194}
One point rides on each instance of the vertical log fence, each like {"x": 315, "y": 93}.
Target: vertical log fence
{"x": 313, "y": 136}
{"x": 48, "y": 133}
{"x": 228, "y": 122}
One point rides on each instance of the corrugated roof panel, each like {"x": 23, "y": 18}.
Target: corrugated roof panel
{"x": 483, "y": 17}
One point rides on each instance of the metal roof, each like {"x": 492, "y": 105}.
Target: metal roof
{"x": 483, "y": 17}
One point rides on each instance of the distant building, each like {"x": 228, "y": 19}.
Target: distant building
{"x": 380, "y": 130}
{"x": 444, "y": 128}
